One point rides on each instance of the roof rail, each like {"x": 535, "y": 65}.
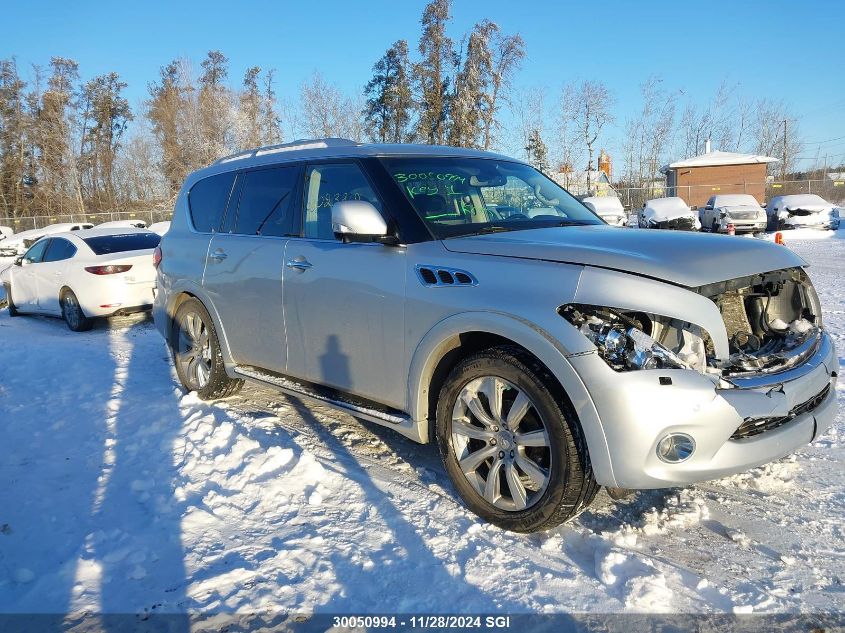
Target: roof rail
{"x": 306, "y": 143}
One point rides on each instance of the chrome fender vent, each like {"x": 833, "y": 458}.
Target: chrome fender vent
{"x": 439, "y": 277}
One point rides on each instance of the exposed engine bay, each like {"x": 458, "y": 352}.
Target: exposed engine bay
{"x": 772, "y": 321}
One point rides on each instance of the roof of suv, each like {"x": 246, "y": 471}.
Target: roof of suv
{"x": 307, "y": 149}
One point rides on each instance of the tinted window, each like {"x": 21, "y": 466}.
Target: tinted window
{"x": 266, "y": 206}
{"x": 207, "y": 201}
{"x": 327, "y": 184}
{"x": 36, "y": 253}
{"x": 105, "y": 244}
{"x": 59, "y": 249}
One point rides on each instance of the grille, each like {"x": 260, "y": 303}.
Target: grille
{"x": 438, "y": 277}
{"x": 756, "y": 426}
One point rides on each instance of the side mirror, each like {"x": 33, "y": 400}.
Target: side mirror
{"x": 18, "y": 261}
{"x": 359, "y": 221}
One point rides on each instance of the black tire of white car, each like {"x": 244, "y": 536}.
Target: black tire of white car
{"x": 219, "y": 384}
{"x": 72, "y": 312}
{"x": 13, "y": 311}
{"x": 570, "y": 487}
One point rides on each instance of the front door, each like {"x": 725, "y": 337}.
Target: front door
{"x": 24, "y": 277}
{"x": 243, "y": 273}
{"x": 344, "y": 303}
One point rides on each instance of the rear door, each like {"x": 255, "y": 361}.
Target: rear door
{"x": 243, "y": 273}
{"x": 344, "y": 303}
{"x": 52, "y": 273}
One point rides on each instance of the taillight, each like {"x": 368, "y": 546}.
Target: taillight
{"x": 111, "y": 269}
{"x": 157, "y": 256}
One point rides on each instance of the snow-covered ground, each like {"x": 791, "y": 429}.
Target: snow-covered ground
{"x": 119, "y": 493}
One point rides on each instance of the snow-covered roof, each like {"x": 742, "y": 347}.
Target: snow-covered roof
{"x": 604, "y": 204}
{"x": 666, "y": 205}
{"x": 711, "y": 159}
{"x": 802, "y": 199}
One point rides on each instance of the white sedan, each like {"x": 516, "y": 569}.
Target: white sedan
{"x": 85, "y": 274}
{"x": 17, "y": 244}
{"x": 802, "y": 211}
{"x": 608, "y": 208}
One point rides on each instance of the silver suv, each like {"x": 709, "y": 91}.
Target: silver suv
{"x": 464, "y": 298}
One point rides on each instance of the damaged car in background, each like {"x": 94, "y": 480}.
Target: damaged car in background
{"x": 805, "y": 210}
{"x": 738, "y": 209}
{"x": 668, "y": 213}
{"x": 608, "y": 208}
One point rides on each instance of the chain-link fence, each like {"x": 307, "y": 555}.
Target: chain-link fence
{"x": 831, "y": 190}
{"x": 37, "y": 222}
{"x": 632, "y": 199}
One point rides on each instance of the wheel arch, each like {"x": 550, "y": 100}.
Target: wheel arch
{"x": 459, "y": 336}
{"x": 178, "y": 297}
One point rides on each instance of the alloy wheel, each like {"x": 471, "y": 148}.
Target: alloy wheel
{"x": 193, "y": 351}
{"x": 501, "y": 443}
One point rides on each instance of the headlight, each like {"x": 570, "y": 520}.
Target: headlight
{"x": 628, "y": 341}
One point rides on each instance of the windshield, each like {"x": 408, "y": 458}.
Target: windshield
{"x": 471, "y": 196}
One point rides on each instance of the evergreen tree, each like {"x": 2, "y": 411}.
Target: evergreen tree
{"x": 432, "y": 72}
{"x": 389, "y": 102}
{"x": 538, "y": 154}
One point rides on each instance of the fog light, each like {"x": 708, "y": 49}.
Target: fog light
{"x": 675, "y": 448}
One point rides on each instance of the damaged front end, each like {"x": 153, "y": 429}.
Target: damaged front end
{"x": 773, "y": 322}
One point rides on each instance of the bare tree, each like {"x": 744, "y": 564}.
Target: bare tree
{"x": 592, "y": 111}
{"x": 508, "y": 53}
{"x": 327, "y": 113}
{"x": 647, "y": 135}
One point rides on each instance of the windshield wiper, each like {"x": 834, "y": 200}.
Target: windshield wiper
{"x": 490, "y": 229}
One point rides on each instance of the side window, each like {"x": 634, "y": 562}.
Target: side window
{"x": 327, "y": 184}
{"x": 60, "y": 249}
{"x": 207, "y": 201}
{"x": 36, "y": 253}
{"x": 267, "y": 202}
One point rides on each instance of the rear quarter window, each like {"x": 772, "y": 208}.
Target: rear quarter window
{"x": 106, "y": 244}
{"x": 207, "y": 201}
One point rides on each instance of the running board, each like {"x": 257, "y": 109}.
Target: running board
{"x": 311, "y": 393}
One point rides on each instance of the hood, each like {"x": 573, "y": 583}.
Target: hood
{"x": 813, "y": 208}
{"x": 730, "y": 208}
{"x": 664, "y": 215}
{"x": 688, "y": 259}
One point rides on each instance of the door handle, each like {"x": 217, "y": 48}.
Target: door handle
{"x": 298, "y": 264}
{"x": 218, "y": 255}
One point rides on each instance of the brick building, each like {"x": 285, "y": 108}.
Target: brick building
{"x": 696, "y": 179}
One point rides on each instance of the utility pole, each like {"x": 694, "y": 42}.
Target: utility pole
{"x": 783, "y": 164}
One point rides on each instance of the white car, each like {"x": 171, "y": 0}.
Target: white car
{"x": 608, "y": 208}
{"x": 18, "y": 243}
{"x": 159, "y": 227}
{"x": 82, "y": 275}
{"x": 123, "y": 224}
{"x": 668, "y": 213}
{"x": 739, "y": 209}
{"x": 806, "y": 210}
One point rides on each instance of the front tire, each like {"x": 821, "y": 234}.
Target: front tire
{"x": 197, "y": 355}
{"x": 13, "y": 310}
{"x": 72, "y": 313}
{"x": 511, "y": 444}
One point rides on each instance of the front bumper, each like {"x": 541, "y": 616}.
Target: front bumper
{"x": 742, "y": 226}
{"x": 637, "y": 411}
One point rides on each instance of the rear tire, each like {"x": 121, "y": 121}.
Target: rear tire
{"x": 72, "y": 312}
{"x": 196, "y": 353}
{"x": 530, "y": 442}
{"x": 13, "y": 310}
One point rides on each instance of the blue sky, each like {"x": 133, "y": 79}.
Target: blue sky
{"x": 786, "y": 50}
